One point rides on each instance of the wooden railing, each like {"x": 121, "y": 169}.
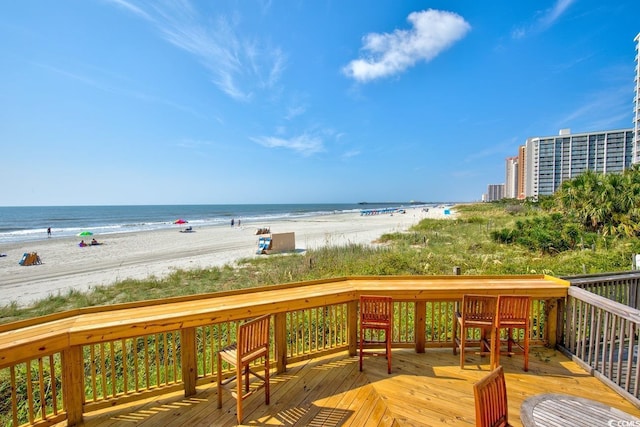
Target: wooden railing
{"x": 62, "y": 366}
{"x": 602, "y": 336}
{"x": 623, "y": 287}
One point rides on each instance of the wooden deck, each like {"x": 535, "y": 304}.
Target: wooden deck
{"x": 426, "y": 389}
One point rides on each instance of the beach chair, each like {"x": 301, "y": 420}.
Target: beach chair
{"x": 30, "y": 258}
{"x": 260, "y": 245}
{"x": 264, "y": 244}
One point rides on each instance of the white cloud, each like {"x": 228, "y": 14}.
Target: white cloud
{"x": 545, "y": 19}
{"x": 132, "y": 8}
{"x": 304, "y": 144}
{"x": 351, "y": 153}
{"x": 238, "y": 66}
{"x": 552, "y": 15}
{"x": 293, "y": 112}
{"x": 391, "y": 53}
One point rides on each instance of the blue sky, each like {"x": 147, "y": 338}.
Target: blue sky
{"x": 212, "y": 102}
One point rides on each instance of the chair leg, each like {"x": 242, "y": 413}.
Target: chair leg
{"x": 454, "y": 334}
{"x": 388, "y": 340}
{"x": 496, "y": 349}
{"x": 239, "y": 391}
{"x": 361, "y": 347}
{"x": 267, "y": 391}
{"x": 219, "y": 382}
{"x": 526, "y": 350}
{"x": 462, "y": 345}
{"x": 492, "y": 349}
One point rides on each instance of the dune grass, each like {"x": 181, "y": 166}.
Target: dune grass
{"x": 432, "y": 247}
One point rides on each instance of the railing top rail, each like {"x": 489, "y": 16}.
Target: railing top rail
{"x": 590, "y": 278}
{"x": 613, "y": 307}
{"x": 130, "y": 320}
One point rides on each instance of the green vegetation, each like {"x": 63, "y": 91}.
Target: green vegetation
{"x": 589, "y": 226}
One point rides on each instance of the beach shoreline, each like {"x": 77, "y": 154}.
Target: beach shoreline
{"x": 140, "y": 255}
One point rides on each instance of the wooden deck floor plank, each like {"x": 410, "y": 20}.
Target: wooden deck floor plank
{"x": 345, "y": 390}
{"x": 381, "y": 416}
{"x": 427, "y": 402}
{"x": 290, "y": 392}
{"x": 317, "y": 404}
{"x": 423, "y": 390}
{"x": 429, "y": 399}
{"x": 227, "y": 414}
{"x": 361, "y": 405}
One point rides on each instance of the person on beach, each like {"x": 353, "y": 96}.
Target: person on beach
{"x": 49, "y": 232}
{"x": 232, "y": 221}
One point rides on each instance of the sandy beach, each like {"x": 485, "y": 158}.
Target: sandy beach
{"x": 66, "y": 266}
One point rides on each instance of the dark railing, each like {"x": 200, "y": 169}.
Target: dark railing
{"x": 601, "y": 329}
{"x": 623, "y": 287}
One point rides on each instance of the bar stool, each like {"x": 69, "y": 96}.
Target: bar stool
{"x": 513, "y": 313}
{"x": 252, "y": 344}
{"x": 376, "y": 314}
{"x": 476, "y": 312}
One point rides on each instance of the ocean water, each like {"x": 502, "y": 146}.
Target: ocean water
{"x": 21, "y": 224}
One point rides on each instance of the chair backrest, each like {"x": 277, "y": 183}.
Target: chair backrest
{"x": 253, "y": 338}
{"x": 491, "y": 400}
{"x": 376, "y": 310}
{"x": 514, "y": 308}
{"x": 480, "y": 308}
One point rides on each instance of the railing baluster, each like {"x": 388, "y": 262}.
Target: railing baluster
{"x": 14, "y": 397}
{"x": 30, "y": 392}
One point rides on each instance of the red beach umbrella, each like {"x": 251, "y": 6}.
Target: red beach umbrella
{"x": 180, "y": 221}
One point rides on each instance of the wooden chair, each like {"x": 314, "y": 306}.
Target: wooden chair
{"x": 252, "y": 344}
{"x": 513, "y": 313}
{"x": 491, "y": 400}
{"x": 476, "y": 312}
{"x": 376, "y": 314}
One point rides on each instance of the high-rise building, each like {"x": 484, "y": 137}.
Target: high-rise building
{"x": 511, "y": 178}
{"x": 551, "y": 160}
{"x": 494, "y": 192}
{"x": 520, "y": 193}
{"x": 636, "y": 104}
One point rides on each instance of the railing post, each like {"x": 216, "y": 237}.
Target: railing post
{"x": 420, "y": 328}
{"x": 280, "y": 339}
{"x": 561, "y": 312}
{"x": 352, "y": 327}
{"x": 73, "y": 384}
{"x": 551, "y": 311}
{"x": 189, "y": 360}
